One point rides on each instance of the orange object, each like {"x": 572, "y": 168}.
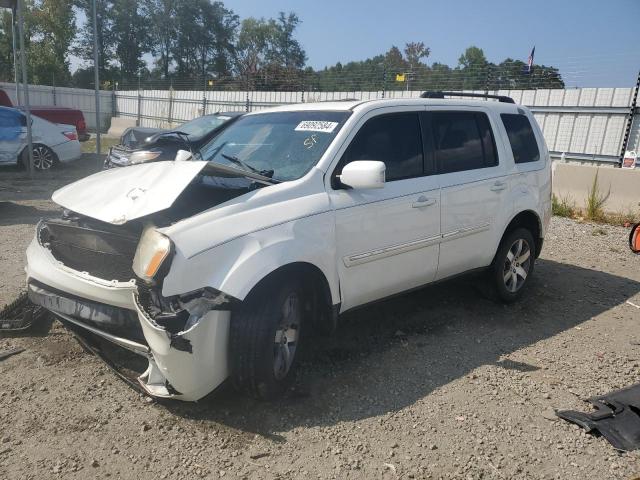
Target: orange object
{"x": 155, "y": 262}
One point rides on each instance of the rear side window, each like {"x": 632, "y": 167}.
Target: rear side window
{"x": 463, "y": 141}
{"x": 394, "y": 139}
{"x": 521, "y": 137}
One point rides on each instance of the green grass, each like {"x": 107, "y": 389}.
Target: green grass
{"x": 105, "y": 144}
{"x": 566, "y": 207}
{"x": 563, "y": 207}
{"x": 595, "y": 201}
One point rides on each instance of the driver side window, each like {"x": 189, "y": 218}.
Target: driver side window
{"x": 394, "y": 139}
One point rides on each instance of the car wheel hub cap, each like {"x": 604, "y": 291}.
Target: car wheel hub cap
{"x": 517, "y": 265}
{"x": 42, "y": 158}
{"x": 286, "y": 337}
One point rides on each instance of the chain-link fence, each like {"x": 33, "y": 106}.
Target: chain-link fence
{"x": 586, "y": 124}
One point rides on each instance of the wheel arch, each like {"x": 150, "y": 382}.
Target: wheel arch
{"x": 314, "y": 282}
{"x": 23, "y": 156}
{"x": 530, "y": 220}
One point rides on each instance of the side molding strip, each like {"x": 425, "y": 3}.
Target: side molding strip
{"x": 365, "y": 257}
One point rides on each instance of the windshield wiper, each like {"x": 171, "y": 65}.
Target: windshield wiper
{"x": 246, "y": 166}
{"x": 215, "y": 168}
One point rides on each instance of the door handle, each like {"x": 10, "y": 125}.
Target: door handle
{"x": 498, "y": 186}
{"x": 423, "y": 201}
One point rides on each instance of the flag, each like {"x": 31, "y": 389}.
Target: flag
{"x": 399, "y": 77}
{"x": 529, "y": 67}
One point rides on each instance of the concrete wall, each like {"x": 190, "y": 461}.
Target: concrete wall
{"x": 575, "y": 181}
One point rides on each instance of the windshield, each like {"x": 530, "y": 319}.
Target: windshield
{"x": 203, "y": 125}
{"x": 282, "y": 145}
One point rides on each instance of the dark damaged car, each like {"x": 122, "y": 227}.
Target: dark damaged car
{"x": 142, "y": 144}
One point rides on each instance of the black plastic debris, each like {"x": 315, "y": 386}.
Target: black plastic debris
{"x": 20, "y": 314}
{"x": 617, "y": 417}
{"x": 7, "y": 353}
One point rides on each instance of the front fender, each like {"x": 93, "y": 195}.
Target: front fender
{"x": 235, "y": 267}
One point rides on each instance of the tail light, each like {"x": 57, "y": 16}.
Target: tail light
{"x": 71, "y": 135}
{"x": 81, "y": 125}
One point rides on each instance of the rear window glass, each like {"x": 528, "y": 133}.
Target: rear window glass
{"x": 463, "y": 141}
{"x": 523, "y": 141}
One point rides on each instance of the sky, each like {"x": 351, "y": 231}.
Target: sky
{"x": 593, "y": 42}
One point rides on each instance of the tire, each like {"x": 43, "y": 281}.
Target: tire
{"x": 43, "y": 157}
{"x": 265, "y": 338}
{"x": 513, "y": 265}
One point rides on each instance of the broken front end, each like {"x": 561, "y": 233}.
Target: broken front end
{"x": 105, "y": 281}
{"x": 101, "y": 274}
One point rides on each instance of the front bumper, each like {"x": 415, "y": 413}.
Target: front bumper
{"x": 186, "y": 365}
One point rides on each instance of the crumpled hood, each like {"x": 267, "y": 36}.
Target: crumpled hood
{"x": 119, "y": 195}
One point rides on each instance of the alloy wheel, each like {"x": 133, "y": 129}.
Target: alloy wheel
{"x": 517, "y": 265}
{"x": 287, "y": 334}
{"x": 42, "y": 158}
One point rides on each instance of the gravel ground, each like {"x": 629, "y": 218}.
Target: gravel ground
{"x": 439, "y": 383}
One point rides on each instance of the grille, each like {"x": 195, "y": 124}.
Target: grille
{"x": 100, "y": 252}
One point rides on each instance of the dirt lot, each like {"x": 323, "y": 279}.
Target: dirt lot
{"x": 439, "y": 383}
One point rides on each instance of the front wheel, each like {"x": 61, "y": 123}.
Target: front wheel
{"x": 265, "y": 336}
{"x": 513, "y": 265}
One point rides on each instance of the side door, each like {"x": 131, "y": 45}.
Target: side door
{"x": 12, "y": 134}
{"x": 474, "y": 183}
{"x": 387, "y": 239}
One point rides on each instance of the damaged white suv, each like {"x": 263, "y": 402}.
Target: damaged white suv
{"x": 219, "y": 267}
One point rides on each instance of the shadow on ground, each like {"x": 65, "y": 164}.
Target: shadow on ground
{"x": 16, "y": 185}
{"x": 16, "y": 213}
{"x": 425, "y": 339}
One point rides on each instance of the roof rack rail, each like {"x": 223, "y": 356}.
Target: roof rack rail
{"x": 438, "y": 94}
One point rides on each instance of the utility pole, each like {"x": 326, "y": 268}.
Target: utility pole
{"x": 23, "y": 65}
{"x": 627, "y": 130}
{"x": 96, "y": 74}
{"x": 15, "y": 58}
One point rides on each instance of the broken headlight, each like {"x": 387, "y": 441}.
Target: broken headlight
{"x": 142, "y": 156}
{"x": 153, "y": 249}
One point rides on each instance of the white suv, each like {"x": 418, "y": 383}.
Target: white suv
{"x": 218, "y": 267}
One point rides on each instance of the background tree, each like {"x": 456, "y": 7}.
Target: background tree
{"x": 204, "y": 39}
{"x": 284, "y": 50}
{"x": 268, "y": 54}
{"x": 130, "y": 35}
{"x": 162, "y": 32}
{"x": 252, "y": 46}
{"x": 83, "y": 47}
{"x": 474, "y": 66}
{"x": 414, "y": 52}
{"x": 6, "y": 47}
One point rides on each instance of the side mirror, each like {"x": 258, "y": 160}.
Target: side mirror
{"x": 634, "y": 239}
{"x": 363, "y": 174}
{"x": 183, "y": 155}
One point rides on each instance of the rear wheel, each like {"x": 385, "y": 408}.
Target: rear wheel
{"x": 43, "y": 158}
{"x": 513, "y": 265}
{"x": 265, "y": 338}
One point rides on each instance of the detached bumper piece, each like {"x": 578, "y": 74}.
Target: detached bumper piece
{"x": 617, "y": 417}
{"x": 21, "y": 315}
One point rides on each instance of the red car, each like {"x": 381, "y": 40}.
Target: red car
{"x": 63, "y": 115}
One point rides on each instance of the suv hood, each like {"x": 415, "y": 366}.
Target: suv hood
{"x": 119, "y": 195}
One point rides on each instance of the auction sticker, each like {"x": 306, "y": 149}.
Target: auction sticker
{"x": 316, "y": 126}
